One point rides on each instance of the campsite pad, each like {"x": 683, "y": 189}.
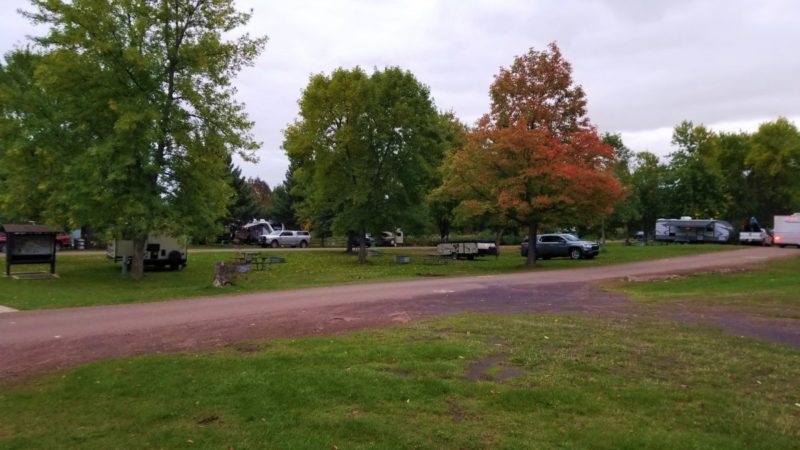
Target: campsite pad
{"x": 33, "y": 276}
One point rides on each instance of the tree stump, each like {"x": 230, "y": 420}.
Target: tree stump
{"x": 222, "y": 274}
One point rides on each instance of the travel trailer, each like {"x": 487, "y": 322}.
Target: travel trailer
{"x": 159, "y": 251}
{"x": 787, "y": 230}
{"x": 686, "y": 229}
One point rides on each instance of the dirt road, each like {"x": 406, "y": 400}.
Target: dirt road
{"x": 35, "y": 341}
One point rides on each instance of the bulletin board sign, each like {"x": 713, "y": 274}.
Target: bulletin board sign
{"x": 30, "y": 244}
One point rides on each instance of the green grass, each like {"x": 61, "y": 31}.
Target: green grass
{"x": 583, "y": 382}
{"x": 93, "y": 280}
{"x": 766, "y": 289}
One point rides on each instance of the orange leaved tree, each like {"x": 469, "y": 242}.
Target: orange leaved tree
{"x": 535, "y": 159}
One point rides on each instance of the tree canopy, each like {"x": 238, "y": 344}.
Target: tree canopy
{"x": 141, "y": 114}
{"x": 364, "y": 150}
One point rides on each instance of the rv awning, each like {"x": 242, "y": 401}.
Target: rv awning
{"x": 689, "y": 223}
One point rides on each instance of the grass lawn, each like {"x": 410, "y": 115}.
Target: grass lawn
{"x": 93, "y": 280}
{"x": 576, "y": 382}
{"x": 770, "y": 289}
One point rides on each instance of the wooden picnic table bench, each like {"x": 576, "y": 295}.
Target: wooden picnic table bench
{"x": 254, "y": 259}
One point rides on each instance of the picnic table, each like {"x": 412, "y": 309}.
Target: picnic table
{"x": 254, "y": 259}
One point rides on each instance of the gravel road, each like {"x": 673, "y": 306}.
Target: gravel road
{"x": 37, "y": 341}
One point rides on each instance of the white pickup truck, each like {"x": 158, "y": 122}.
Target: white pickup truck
{"x": 761, "y": 237}
{"x": 285, "y": 238}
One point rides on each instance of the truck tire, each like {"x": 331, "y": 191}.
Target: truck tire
{"x": 575, "y": 253}
{"x": 174, "y": 260}
{"x": 275, "y": 244}
{"x": 303, "y": 244}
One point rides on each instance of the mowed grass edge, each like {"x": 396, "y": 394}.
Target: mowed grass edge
{"x": 764, "y": 288}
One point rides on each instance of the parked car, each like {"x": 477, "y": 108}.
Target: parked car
{"x": 561, "y": 245}
{"x": 63, "y": 240}
{"x": 285, "y": 238}
{"x": 353, "y": 241}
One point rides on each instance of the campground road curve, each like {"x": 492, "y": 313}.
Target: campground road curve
{"x": 33, "y": 341}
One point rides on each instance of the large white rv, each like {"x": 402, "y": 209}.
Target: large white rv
{"x": 787, "y": 230}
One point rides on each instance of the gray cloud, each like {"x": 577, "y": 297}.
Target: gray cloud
{"x": 645, "y": 65}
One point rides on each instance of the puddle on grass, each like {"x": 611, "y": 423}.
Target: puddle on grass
{"x": 493, "y": 368}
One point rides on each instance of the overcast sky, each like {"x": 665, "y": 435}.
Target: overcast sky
{"x": 645, "y": 65}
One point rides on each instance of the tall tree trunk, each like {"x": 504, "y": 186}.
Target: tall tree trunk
{"x": 603, "y": 231}
{"x": 350, "y": 238}
{"x": 533, "y": 229}
{"x": 444, "y": 230}
{"x": 137, "y": 265}
{"x": 497, "y": 237}
{"x": 362, "y": 250}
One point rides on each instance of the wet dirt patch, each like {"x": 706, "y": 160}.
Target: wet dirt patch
{"x": 247, "y": 347}
{"x": 458, "y": 413}
{"x": 780, "y": 330}
{"x": 342, "y": 319}
{"x": 493, "y": 368}
{"x": 210, "y": 420}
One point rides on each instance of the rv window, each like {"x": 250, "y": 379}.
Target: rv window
{"x": 153, "y": 247}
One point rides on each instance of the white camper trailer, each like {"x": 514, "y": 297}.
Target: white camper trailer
{"x": 787, "y": 230}
{"x": 159, "y": 251}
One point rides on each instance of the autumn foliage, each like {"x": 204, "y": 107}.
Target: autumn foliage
{"x": 535, "y": 159}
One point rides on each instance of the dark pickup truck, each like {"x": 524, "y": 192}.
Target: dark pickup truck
{"x": 561, "y": 245}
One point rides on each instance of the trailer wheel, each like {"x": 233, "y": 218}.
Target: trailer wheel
{"x": 174, "y": 260}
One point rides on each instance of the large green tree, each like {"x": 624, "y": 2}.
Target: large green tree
{"x": 442, "y": 207}
{"x": 28, "y": 132}
{"x": 145, "y": 116}
{"x": 695, "y": 181}
{"x": 774, "y": 160}
{"x": 648, "y": 186}
{"x": 366, "y": 147}
{"x": 740, "y": 181}
{"x": 244, "y": 206}
{"x": 628, "y": 211}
